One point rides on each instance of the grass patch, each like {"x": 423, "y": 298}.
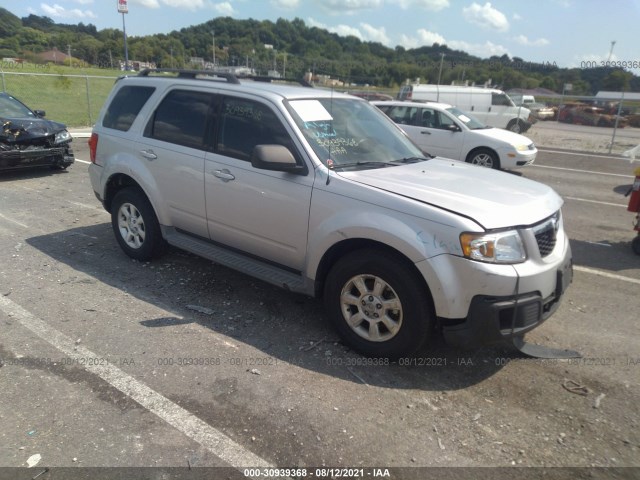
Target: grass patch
{"x": 73, "y": 96}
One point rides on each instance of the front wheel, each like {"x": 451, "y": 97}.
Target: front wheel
{"x": 135, "y": 224}
{"x": 484, "y": 157}
{"x": 516, "y": 126}
{"x": 378, "y": 304}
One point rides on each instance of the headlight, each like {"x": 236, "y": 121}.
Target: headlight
{"x": 499, "y": 247}
{"x": 63, "y": 136}
{"x": 522, "y": 148}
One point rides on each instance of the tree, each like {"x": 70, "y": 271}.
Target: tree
{"x": 617, "y": 81}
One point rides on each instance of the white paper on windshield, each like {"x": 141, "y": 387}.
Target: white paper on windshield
{"x": 311, "y": 110}
{"x": 464, "y": 118}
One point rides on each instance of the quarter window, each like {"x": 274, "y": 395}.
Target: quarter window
{"x": 125, "y": 106}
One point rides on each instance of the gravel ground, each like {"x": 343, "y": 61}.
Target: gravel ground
{"x": 583, "y": 138}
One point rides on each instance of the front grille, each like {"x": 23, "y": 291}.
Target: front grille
{"x": 546, "y": 234}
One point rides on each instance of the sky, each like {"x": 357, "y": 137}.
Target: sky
{"x": 571, "y": 33}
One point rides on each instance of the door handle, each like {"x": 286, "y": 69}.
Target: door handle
{"x": 148, "y": 154}
{"x": 425, "y": 132}
{"x": 225, "y": 175}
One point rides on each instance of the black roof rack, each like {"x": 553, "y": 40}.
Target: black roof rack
{"x": 229, "y": 77}
{"x": 261, "y": 78}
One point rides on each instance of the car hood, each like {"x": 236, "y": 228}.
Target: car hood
{"x": 18, "y": 130}
{"x": 504, "y": 135}
{"x": 492, "y": 198}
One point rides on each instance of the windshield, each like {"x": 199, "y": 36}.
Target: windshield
{"x": 12, "y": 108}
{"x": 471, "y": 122}
{"x": 351, "y": 133}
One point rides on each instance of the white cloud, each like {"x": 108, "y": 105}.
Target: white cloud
{"x": 146, "y": 3}
{"x": 523, "y": 40}
{"x": 57, "y": 11}
{"x": 224, "y": 8}
{"x": 517, "y": 16}
{"x": 482, "y": 50}
{"x": 433, "y": 5}
{"x": 375, "y": 34}
{"x": 429, "y": 38}
{"x": 286, "y": 4}
{"x": 191, "y": 5}
{"x": 366, "y": 32}
{"x": 83, "y": 2}
{"x": 486, "y": 17}
{"x": 343, "y": 30}
{"x": 348, "y": 7}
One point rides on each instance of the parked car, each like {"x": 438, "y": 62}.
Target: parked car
{"x": 369, "y": 95}
{"x": 319, "y": 193}
{"x": 581, "y": 114}
{"x": 27, "y": 139}
{"x": 442, "y": 130}
{"x": 542, "y": 111}
{"x": 491, "y": 106}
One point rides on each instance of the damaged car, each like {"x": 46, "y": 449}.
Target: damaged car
{"x": 27, "y": 139}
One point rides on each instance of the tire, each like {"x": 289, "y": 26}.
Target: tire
{"x": 635, "y": 245}
{"x": 135, "y": 224}
{"x": 390, "y": 311}
{"x": 515, "y": 126}
{"x": 484, "y": 157}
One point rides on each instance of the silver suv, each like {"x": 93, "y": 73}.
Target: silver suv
{"x": 320, "y": 193}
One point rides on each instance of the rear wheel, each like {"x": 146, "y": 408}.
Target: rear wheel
{"x": 635, "y": 245}
{"x": 484, "y": 157}
{"x": 135, "y": 224}
{"x": 378, "y": 304}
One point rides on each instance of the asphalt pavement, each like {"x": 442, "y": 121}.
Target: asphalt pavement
{"x": 109, "y": 362}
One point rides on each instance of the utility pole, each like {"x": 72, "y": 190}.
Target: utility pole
{"x": 613, "y": 44}
{"x": 213, "y": 44}
{"x": 440, "y": 76}
{"x": 69, "y": 53}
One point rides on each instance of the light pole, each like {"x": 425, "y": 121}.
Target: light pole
{"x": 123, "y": 8}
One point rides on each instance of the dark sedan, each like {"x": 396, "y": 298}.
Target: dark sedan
{"x": 27, "y": 139}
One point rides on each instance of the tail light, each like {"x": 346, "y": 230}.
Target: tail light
{"x": 93, "y": 146}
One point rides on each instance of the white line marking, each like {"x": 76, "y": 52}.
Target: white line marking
{"x": 193, "y": 427}
{"x": 602, "y": 273}
{"x": 578, "y": 154}
{"x": 83, "y": 161}
{"x": 595, "y": 201}
{"x": 13, "y": 221}
{"x": 584, "y": 171}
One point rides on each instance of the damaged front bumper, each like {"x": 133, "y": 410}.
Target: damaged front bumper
{"x": 55, "y": 157}
{"x": 499, "y": 319}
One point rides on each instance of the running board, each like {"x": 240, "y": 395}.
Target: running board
{"x": 237, "y": 261}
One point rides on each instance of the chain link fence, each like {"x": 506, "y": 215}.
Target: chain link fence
{"x": 74, "y": 100}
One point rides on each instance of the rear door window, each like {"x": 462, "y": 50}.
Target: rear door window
{"x": 182, "y": 118}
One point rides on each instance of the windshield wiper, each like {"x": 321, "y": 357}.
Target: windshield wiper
{"x": 413, "y": 159}
{"x": 366, "y": 164}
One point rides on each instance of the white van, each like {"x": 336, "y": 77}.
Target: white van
{"x": 491, "y": 106}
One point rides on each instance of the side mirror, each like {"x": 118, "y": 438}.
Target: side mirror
{"x": 453, "y": 128}
{"x": 40, "y": 113}
{"x": 275, "y": 157}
